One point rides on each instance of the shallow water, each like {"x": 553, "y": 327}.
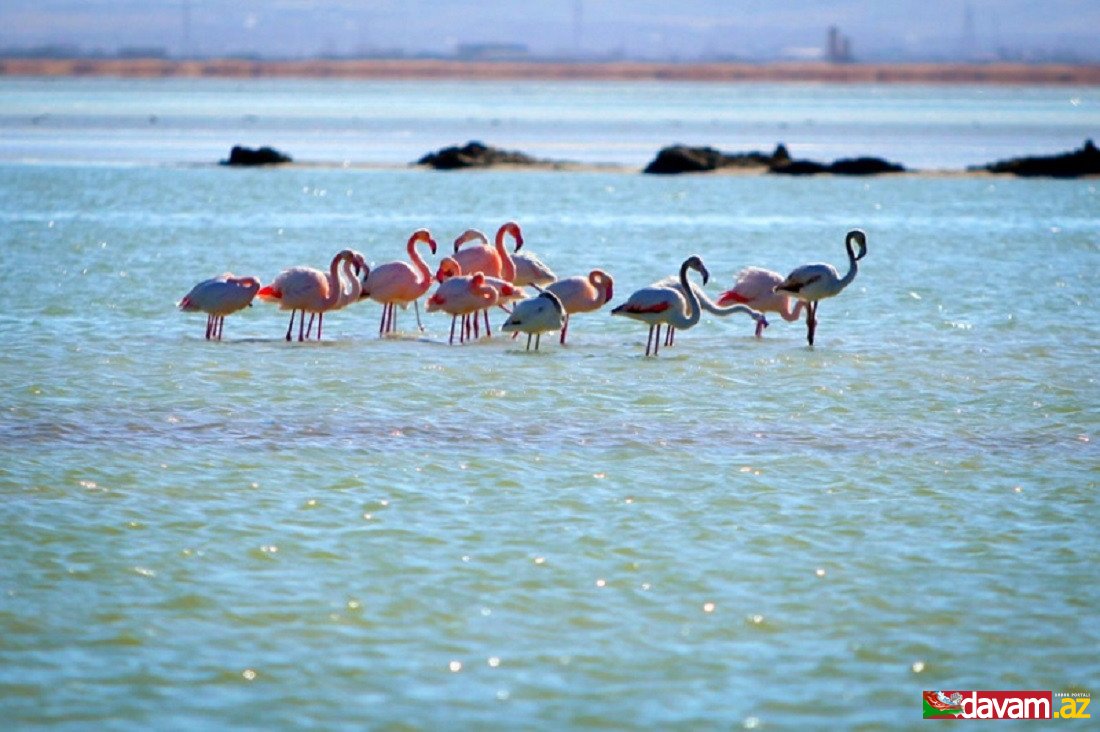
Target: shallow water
{"x": 403, "y": 534}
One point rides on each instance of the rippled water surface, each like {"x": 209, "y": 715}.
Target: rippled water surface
{"x": 404, "y": 534}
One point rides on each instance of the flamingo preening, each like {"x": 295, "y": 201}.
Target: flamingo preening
{"x": 506, "y": 292}
{"x": 656, "y": 305}
{"x": 582, "y": 294}
{"x": 399, "y": 283}
{"x": 220, "y": 296}
{"x": 462, "y": 296}
{"x": 755, "y": 287}
{"x": 811, "y": 283}
{"x": 304, "y": 289}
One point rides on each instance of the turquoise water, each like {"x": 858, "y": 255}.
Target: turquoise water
{"x": 403, "y": 534}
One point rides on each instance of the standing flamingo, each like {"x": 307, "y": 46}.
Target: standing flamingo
{"x": 462, "y": 295}
{"x": 530, "y": 270}
{"x": 220, "y": 296}
{"x": 655, "y": 305}
{"x": 582, "y": 294}
{"x": 813, "y": 282}
{"x": 399, "y": 283}
{"x": 535, "y": 316}
{"x": 352, "y": 270}
{"x": 494, "y": 261}
{"x": 309, "y": 290}
{"x": 709, "y": 305}
{"x": 507, "y": 293}
{"x": 755, "y": 287}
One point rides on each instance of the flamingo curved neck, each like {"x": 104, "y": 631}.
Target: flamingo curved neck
{"x": 680, "y": 319}
{"x": 507, "y": 264}
{"x": 853, "y": 269}
{"x": 419, "y": 263}
{"x": 356, "y": 285}
{"x": 335, "y": 285}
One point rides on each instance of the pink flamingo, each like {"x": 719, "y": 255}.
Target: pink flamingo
{"x": 813, "y": 282}
{"x": 582, "y": 294}
{"x": 399, "y": 283}
{"x": 492, "y": 261}
{"x": 507, "y": 293}
{"x": 678, "y": 308}
{"x": 220, "y": 296}
{"x": 530, "y": 270}
{"x": 307, "y": 290}
{"x": 352, "y": 268}
{"x": 755, "y": 287}
{"x": 462, "y": 295}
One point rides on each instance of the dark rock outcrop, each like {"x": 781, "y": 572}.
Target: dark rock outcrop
{"x": 1085, "y": 161}
{"x": 475, "y": 155}
{"x": 688, "y": 159}
{"x": 246, "y": 156}
{"x": 842, "y": 166}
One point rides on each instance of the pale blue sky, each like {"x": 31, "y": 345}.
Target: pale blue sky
{"x": 907, "y": 29}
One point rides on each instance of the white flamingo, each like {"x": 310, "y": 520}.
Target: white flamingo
{"x": 220, "y": 296}
{"x": 811, "y": 283}
{"x": 755, "y": 287}
{"x": 535, "y": 316}
{"x": 675, "y": 307}
{"x": 304, "y": 289}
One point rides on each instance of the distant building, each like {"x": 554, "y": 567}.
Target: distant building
{"x": 491, "y": 51}
{"x": 838, "y": 48}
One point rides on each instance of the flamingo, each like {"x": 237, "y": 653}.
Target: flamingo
{"x": 399, "y": 283}
{"x": 220, "y": 296}
{"x": 755, "y": 287}
{"x": 462, "y": 295}
{"x": 506, "y": 291}
{"x": 709, "y": 305}
{"x": 307, "y": 289}
{"x": 536, "y": 316}
{"x": 582, "y": 294}
{"x": 352, "y": 270}
{"x": 655, "y": 305}
{"x": 530, "y": 270}
{"x": 492, "y": 261}
{"x": 811, "y": 283}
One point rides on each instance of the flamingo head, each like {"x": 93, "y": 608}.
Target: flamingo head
{"x": 860, "y": 238}
{"x": 448, "y": 268}
{"x": 598, "y": 277}
{"x": 422, "y": 235}
{"x": 696, "y": 263}
{"x": 512, "y": 228}
{"x": 468, "y": 235}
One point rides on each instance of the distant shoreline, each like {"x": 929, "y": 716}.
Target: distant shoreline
{"x": 397, "y": 69}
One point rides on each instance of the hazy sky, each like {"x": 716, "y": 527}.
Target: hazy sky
{"x": 639, "y": 28}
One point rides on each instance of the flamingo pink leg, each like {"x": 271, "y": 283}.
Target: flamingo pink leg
{"x": 220, "y": 325}
{"x": 209, "y": 318}
{"x": 453, "y": 319}
{"x": 657, "y": 341}
{"x": 528, "y": 341}
{"x": 564, "y": 328}
{"x": 811, "y": 321}
{"x": 477, "y": 326}
{"x": 759, "y": 329}
{"x": 538, "y": 338}
{"x": 301, "y": 323}
{"x": 320, "y": 323}
{"x": 309, "y": 328}
{"x": 649, "y": 341}
{"x": 488, "y": 330}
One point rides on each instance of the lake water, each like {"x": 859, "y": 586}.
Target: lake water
{"x": 402, "y": 534}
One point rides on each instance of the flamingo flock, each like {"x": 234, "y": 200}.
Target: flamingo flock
{"x": 478, "y": 277}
